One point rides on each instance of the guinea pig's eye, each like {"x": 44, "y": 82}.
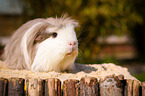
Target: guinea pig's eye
{"x": 54, "y": 35}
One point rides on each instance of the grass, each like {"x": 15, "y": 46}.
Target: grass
{"x": 140, "y": 77}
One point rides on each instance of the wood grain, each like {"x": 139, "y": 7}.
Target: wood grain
{"x": 88, "y": 86}
{"x": 16, "y": 87}
{"x": 111, "y": 86}
{"x": 3, "y": 87}
{"x": 53, "y": 87}
{"x": 34, "y": 87}
{"x": 70, "y": 87}
{"x": 143, "y": 88}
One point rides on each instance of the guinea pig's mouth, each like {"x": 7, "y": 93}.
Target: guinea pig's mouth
{"x": 73, "y": 51}
{"x": 70, "y": 53}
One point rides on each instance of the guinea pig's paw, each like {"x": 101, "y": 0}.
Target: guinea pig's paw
{"x": 71, "y": 70}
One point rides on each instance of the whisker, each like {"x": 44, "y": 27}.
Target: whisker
{"x": 79, "y": 59}
{"x": 80, "y": 52}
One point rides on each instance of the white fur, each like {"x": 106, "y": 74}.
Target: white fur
{"x": 33, "y": 46}
{"x": 51, "y": 29}
{"x": 24, "y": 44}
{"x": 51, "y": 54}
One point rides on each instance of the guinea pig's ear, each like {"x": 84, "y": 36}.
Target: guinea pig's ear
{"x": 41, "y": 35}
{"x": 38, "y": 36}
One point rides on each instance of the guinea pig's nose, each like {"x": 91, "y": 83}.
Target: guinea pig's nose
{"x": 72, "y": 43}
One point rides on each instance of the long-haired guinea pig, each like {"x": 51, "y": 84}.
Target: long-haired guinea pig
{"x": 43, "y": 45}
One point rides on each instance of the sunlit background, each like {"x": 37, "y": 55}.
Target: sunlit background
{"x": 111, "y": 31}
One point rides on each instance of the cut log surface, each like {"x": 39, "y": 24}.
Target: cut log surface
{"x": 88, "y": 80}
{"x": 88, "y": 86}
{"x": 132, "y": 87}
{"x": 91, "y": 70}
{"x": 136, "y": 85}
{"x": 16, "y": 87}
{"x": 34, "y": 87}
{"x": 52, "y": 87}
{"x": 143, "y": 88}
{"x": 3, "y": 87}
{"x": 111, "y": 86}
{"x": 70, "y": 87}
{"x": 128, "y": 87}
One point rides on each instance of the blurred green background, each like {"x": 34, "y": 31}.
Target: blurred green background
{"x": 111, "y": 31}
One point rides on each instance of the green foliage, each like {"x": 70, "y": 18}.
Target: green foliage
{"x": 96, "y": 17}
{"x": 140, "y": 77}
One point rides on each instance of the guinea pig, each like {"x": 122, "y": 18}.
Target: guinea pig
{"x": 43, "y": 45}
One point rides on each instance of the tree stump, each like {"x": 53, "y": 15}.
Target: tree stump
{"x": 16, "y": 87}
{"x": 52, "y": 87}
{"x": 132, "y": 87}
{"x": 88, "y": 86}
{"x": 111, "y": 86}
{"x": 136, "y": 85}
{"x": 70, "y": 87}
{"x": 143, "y": 88}
{"x": 34, "y": 87}
{"x": 3, "y": 86}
